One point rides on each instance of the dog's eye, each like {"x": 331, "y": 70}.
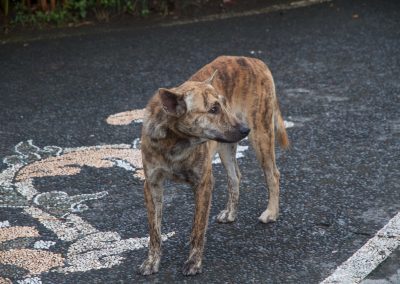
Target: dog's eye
{"x": 214, "y": 109}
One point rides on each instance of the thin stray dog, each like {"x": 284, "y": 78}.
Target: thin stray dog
{"x": 185, "y": 126}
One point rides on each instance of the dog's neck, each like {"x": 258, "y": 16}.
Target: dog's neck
{"x": 185, "y": 146}
{"x": 176, "y": 146}
{"x": 167, "y": 140}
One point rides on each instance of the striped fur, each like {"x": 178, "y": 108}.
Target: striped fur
{"x": 185, "y": 126}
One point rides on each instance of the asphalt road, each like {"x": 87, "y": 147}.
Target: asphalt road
{"x": 74, "y": 213}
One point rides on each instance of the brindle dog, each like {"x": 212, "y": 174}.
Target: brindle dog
{"x": 185, "y": 126}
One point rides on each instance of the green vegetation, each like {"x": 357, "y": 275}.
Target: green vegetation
{"x": 60, "y": 12}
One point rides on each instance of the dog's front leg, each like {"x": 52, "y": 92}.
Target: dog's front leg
{"x": 202, "y": 210}
{"x": 153, "y": 196}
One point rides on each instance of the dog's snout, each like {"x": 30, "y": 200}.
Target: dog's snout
{"x": 244, "y": 130}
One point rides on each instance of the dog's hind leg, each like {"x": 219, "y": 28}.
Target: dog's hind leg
{"x": 264, "y": 146}
{"x": 227, "y": 153}
{"x": 153, "y": 195}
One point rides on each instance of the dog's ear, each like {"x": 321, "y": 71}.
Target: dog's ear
{"x": 172, "y": 102}
{"x": 211, "y": 79}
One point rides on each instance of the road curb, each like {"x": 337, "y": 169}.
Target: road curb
{"x": 70, "y": 32}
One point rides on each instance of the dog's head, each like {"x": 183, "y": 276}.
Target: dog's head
{"x": 197, "y": 110}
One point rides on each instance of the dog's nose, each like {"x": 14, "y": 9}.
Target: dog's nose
{"x": 244, "y": 130}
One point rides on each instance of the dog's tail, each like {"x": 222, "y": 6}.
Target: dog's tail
{"x": 281, "y": 136}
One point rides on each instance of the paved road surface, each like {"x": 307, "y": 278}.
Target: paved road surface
{"x": 71, "y": 204}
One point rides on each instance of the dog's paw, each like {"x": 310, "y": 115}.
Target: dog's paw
{"x": 268, "y": 216}
{"x": 226, "y": 216}
{"x": 149, "y": 267}
{"x": 191, "y": 267}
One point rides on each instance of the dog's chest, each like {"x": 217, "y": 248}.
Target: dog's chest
{"x": 182, "y": 172}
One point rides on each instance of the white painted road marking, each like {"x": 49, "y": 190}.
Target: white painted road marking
{"x": 88, "y": 248}
{"x": 4, "y": 224}
{"x": 43, "y": 244}
{"x": 368, "y": 257}
{"x": 239, "y": 154}
{"x": 288, "y": 124}
{"x": 30, "y": 280}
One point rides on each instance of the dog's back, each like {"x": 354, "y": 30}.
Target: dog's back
{"x": 248, "y": 85}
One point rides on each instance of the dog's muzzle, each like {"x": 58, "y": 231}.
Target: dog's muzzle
{"x": 236, "y": 134}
